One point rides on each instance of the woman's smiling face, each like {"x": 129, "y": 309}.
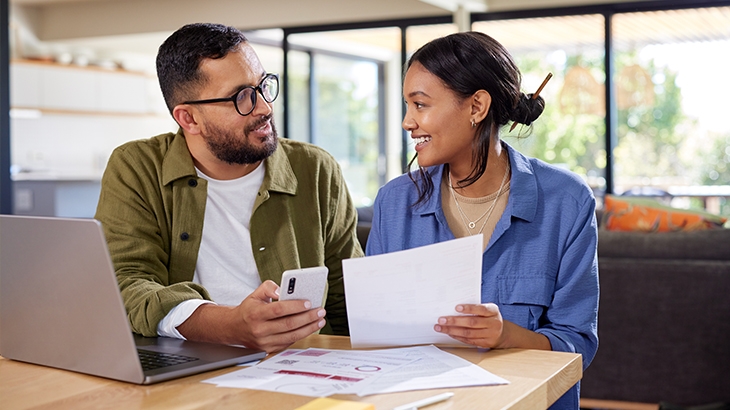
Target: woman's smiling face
{"x": 437, "y": 118}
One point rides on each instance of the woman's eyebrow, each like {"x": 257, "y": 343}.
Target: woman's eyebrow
{"x": 415, "y": 93}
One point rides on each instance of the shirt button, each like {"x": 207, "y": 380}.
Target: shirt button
{"x": 184, "y": 236}
{"x": 192, "y": 182}
{"x": 261, "y": 249}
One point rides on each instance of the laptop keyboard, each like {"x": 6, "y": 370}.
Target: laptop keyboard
{"x": 155, "y": 360}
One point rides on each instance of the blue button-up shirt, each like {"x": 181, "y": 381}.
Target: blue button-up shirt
{"x": 541, "y": 264}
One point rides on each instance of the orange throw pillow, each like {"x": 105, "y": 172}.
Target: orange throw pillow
{"x": 646, "y": 215}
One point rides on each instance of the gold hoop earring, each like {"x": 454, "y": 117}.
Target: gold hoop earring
{"x": 473, "y": 124}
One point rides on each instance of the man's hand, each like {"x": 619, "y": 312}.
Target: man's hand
{"x": 483, "y": 326}
{"x": 257, "y": 322}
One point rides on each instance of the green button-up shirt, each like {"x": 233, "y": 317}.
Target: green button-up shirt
{"x": 152, "y": 206}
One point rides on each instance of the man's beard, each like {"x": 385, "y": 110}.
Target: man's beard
{"x": 228, "y": 147}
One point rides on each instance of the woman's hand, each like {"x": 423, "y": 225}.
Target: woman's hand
{"x": 483, "y": 326}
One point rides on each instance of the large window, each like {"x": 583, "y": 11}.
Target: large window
{"x": 299, "y": 110}
{"x": 337, "y": 100}
{"x": 671, "y": 82}
{"x": 347, "y": 121}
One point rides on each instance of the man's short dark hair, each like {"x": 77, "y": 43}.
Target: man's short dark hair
{"x": 179, "y": 57}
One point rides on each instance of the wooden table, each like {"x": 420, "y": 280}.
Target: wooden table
{"x": 537, "y": 379}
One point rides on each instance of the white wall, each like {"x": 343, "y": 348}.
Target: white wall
{"x": 76, "y": 146}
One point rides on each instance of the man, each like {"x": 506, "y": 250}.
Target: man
{"x": 217, "y": 211}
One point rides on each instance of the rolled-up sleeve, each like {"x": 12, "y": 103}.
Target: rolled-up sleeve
{"x": 573, "y": 314}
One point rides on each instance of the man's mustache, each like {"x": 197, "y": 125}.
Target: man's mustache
{"x": 259, "y": 123}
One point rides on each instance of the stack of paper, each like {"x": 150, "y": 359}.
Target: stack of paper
{"x": 322, "y": 372}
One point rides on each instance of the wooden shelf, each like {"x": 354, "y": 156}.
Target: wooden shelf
{"x": 52, "y": 111}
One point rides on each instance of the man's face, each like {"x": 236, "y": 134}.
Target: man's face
{"x": 231, "y": 137}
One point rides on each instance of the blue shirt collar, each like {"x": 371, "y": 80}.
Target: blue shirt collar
{"x": 523, "y": 192}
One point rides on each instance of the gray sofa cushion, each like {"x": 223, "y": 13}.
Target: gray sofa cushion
{"x": 663, "y": 331}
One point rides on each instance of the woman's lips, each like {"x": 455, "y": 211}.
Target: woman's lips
{"x": 421, "y": 141}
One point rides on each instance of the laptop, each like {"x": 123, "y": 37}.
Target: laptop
{"x": 60, "y": 307}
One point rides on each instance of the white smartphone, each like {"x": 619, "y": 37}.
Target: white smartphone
{"x": 304, "y": 284}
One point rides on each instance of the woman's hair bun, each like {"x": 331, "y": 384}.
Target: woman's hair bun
{"x": 527, "y": 109}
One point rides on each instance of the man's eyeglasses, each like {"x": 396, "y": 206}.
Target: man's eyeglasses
{"x": 245, "y": 98}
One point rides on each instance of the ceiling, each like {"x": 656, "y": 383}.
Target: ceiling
{"x": 54, "y": 20}
{"x": 133, "y": 27}
{"x": 139, "y": 26}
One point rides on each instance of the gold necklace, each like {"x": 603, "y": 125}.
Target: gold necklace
{"x": 468, "y": 223}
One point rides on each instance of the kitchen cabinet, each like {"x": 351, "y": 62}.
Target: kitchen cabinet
{"x": 46, "y": 86}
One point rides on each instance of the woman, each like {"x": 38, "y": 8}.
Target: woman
{"x": 540, "y": 272}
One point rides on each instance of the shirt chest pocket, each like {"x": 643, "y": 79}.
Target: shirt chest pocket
{"x": 523, "y": 300}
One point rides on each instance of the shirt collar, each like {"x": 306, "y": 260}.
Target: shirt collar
{"x": 523, "y": 191}
{"x": 178, "y": 163}
{"x": 279, "y": 173}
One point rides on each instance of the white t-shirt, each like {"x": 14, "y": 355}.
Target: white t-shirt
{"x": 226, "y": 266}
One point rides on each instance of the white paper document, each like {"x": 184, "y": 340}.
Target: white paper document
{"x": 395, "y": 299}
{"x": 323, "y": 372}
{"x": 431, "y": 369}
{"x": 311, "y": 372}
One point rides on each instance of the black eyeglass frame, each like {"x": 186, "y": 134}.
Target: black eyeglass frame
{"x": 234, "y": 98}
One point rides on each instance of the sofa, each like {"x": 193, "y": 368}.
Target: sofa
{"x": 664, "y": 317}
